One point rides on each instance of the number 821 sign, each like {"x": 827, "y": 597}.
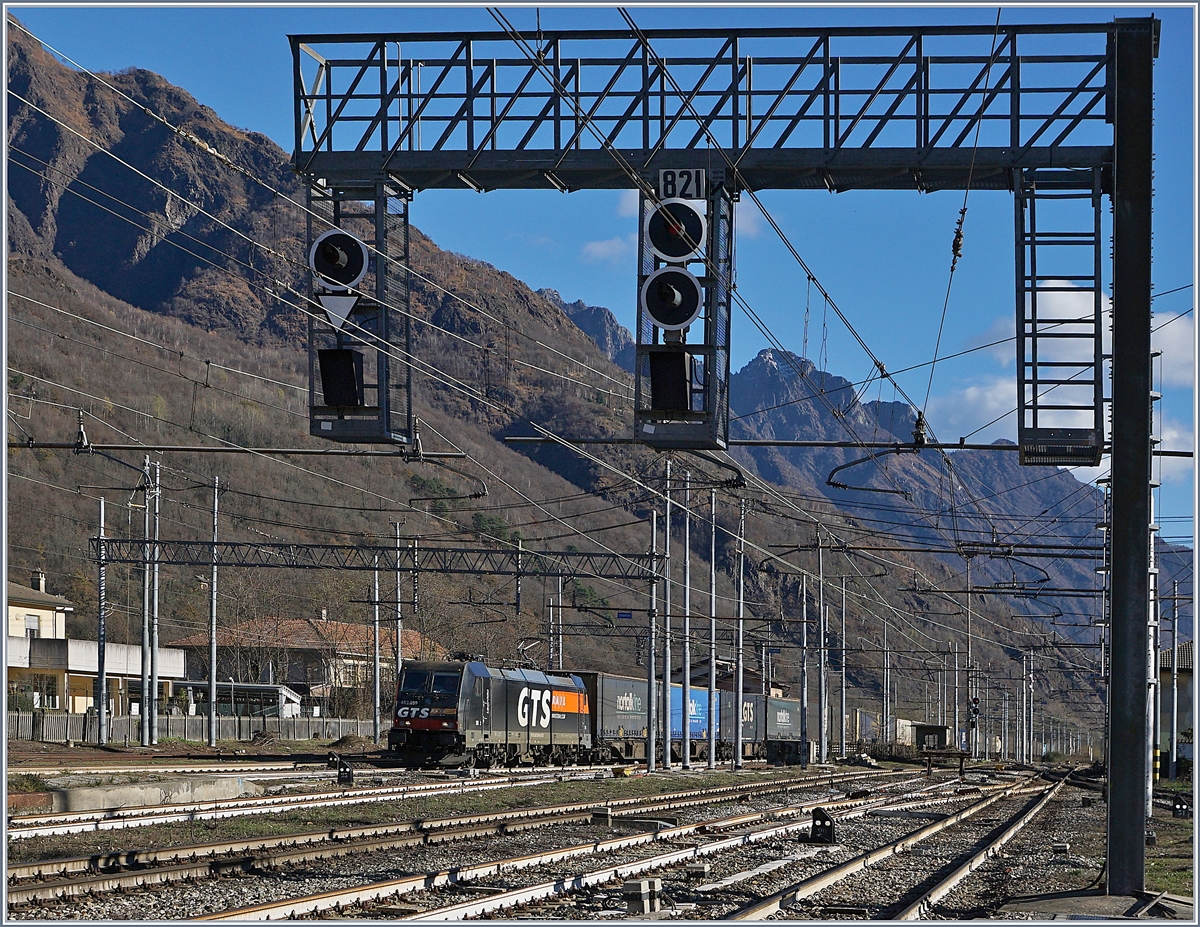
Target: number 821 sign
{"x": 683, "y": 185}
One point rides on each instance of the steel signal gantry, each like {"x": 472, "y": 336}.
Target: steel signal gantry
{"x": 1037, "y": 109}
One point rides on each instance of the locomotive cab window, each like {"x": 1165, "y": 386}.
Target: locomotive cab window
{"x": 415, "y": 681}
{"x": 445, "y": 683}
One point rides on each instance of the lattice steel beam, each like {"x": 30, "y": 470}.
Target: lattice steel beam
{"x": 476, "y": 561}
{"x": 831, "y": 109}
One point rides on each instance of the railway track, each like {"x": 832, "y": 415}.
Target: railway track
{"x": 877, "y": 882}
{"x": 381, "y": 899}
{"x": 757, "y": 824}
{"x": 924, "y": 904}
{"x": 54, "y": 880}
{"x": 74, "y": 822}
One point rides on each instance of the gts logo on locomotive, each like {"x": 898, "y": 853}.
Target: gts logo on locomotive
{"x": 533, "y": 707}
{"x": 412, "y": 712}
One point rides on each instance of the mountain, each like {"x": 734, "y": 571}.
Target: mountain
{"x": 600, "y": 325}
{"x": 90, "y": 188}
{"x": 173, "y": 323}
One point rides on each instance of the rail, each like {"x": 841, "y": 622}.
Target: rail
{"x": 776, "y": 902}
{"x": 920, "y": 908}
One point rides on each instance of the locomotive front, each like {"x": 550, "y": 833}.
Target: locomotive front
{"x": 427, "y": 724}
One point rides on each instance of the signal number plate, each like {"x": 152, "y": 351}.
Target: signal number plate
{"x": 684, "y": 185}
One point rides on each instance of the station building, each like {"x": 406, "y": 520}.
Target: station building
{"x": 47, "y": 670}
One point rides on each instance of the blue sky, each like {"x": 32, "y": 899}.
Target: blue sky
{"x": 883, "y": 256}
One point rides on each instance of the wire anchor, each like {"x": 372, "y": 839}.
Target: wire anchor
{"x": 956, "y": 246}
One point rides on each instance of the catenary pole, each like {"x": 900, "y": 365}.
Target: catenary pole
{"x": 399, "y": 614}
{"x": 414, "y": 609}
{"x": 212, "y": 627}
{"x": 101, "y": 639}
{"x": 144, "y": 724}
{"x": 713, "y": 713}
{"x": 154, "y": 613}
{"x": 1174, "y": 679}
{"x": 741, "y": 606}
{"x": 942, "y": 692}
{"x": 843, "y": 687}
{"x": 1133, "y": 49}
{"x": 886, "y": 715}
{"x": 667, "y": 598}
{"x": 375, "y": 688}
{"x": 822, "y": 657}
{"x": 1150, "y": 647}
{"x": 987, "y": 715}
{"x": 652, "y": 651}
{"x": 1153, "y": 701}
{"x": 1026, "y": 752}
{"x": 686, "y": 713}
{"x": 804, "y": 746}
{"x": 957, "y": 735}
{"x": 1004, "y": 743}
{"x": 972, "y": 680}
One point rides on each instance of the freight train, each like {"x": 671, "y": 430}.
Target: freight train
{"x": 464, "y": 713}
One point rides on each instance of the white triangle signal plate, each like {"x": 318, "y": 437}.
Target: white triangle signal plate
{"x": 337, "y": 308}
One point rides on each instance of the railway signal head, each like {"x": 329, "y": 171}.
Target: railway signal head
{"x": 676, "y": 230}
{"x": 338, "y": 259}
{"x": 672, "y": 298}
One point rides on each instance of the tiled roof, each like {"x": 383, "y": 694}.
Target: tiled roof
{"x": 306, "y": 634}
{"x": 1185, "y": 657}
{"x": 26, "y": 595}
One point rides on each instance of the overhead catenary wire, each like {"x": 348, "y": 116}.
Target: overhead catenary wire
{"x": 892, "y": 608}
{"x": 576, "y": 530}
{"x": 732, "y": 166}
{"x": 188, "y": 136}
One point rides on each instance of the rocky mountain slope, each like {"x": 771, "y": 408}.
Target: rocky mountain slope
{"x": 599, "y": 324}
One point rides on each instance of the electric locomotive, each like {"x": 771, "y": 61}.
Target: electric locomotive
{"x": 469, "y": 714}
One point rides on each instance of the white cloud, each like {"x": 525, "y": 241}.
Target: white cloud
{"x": 1056, "y": 312}
{"x": 1177, "y": 341}
{"x": 610, "y": 249}
{"x": 1175, "y": 335}
{"x": 628, "y": 203}
{"x": 748, "y": 219}
{"x": 959, "y": 413}
{"x": 987, "y": 398}
{"x": 1176, "y": 436}
{"x": 1002, "y": 329}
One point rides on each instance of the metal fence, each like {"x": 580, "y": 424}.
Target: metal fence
{"x": 61, "y": 726}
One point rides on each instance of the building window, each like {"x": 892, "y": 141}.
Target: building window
{"x": 32, "y": 627}
{"x": 44, "y": 690}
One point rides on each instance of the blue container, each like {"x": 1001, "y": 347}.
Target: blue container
{"x": 697, "y": 714}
